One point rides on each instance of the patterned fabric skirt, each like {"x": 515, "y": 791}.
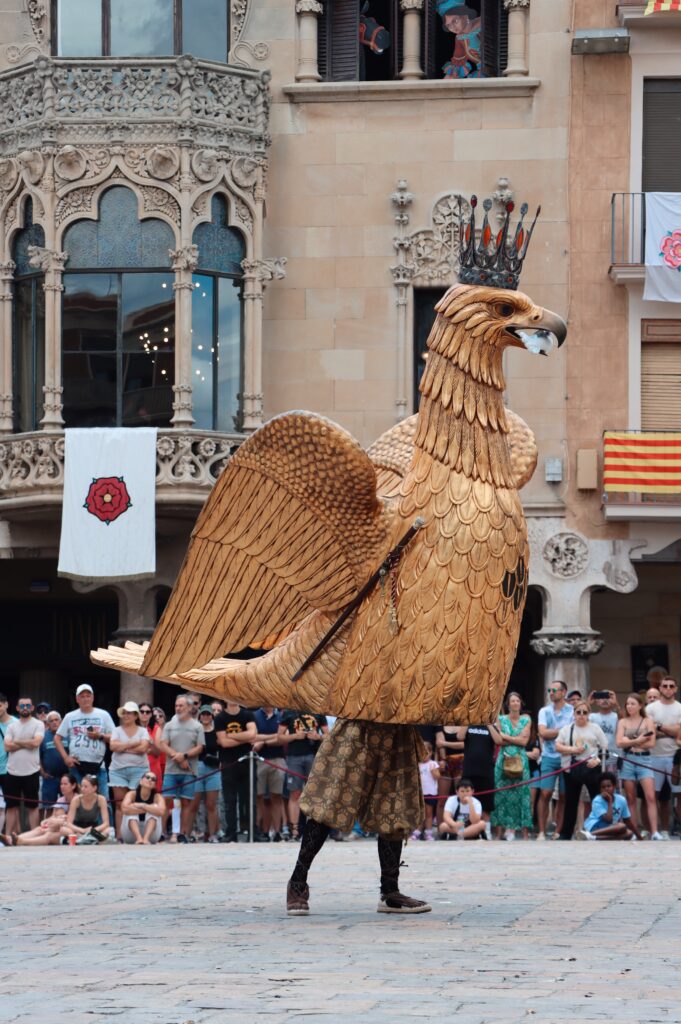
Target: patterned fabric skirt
{"x": 367, "y": 772}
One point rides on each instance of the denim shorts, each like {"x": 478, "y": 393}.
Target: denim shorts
{"x": 128, "y": 778}
{"x": 205, "y": 782}
{"x": 550, "y": 763}
{"x": 635, "y": 768}
{"x": 664, "y": 766}
{"x": 301, "y": 766}
{"x": 181, "y": 785}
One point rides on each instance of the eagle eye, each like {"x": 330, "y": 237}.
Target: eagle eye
{"x": 505, "y": 309}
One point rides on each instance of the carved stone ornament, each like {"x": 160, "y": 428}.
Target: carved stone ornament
{"x": 33, "y": 165}
{"x": 244, "y": 172}
{"x": 515, "y": 4}
{"x": 22, "y": 54}
{"x": 411, "y": 5}
{"x": 47, "y": 259}
{"x": 70, "y": 163}
{"x": 567, "y": 645}
{"x": 239, "y": 9}
{"x": 205, "y": 164}
{"x": 310, "y": 7}
{"x": 186, "y": 258}
{"x": 256, "y": 51}
{"x": 431, "y": 255}
{"x": 162, "y": 162}
{"x": 272, "y": 269}
{"x": 9, "y": 172}
{"x": 566, "y": 555}
{"x": 157, "y": 200}
{"x": 37, "y": 13}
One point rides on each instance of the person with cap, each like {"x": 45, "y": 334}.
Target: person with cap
{"x": 129, "y": 761}
{"x": 41, "y": 711}
{"x": 52, "y": 764}
{"x": 208, "y": 782}
{"x": 86, "y": 732}
{"x": 463, "y": 22}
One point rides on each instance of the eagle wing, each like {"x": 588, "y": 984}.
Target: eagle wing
{"x": 292, "y": 525}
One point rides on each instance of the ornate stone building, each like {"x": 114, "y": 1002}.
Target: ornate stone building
{"x": 212, "y": 211}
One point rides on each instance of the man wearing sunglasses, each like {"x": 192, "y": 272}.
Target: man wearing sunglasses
{"x": 666, "y": 714}
{"x": 22, "y": 782}
{"x": 552, "y": 717}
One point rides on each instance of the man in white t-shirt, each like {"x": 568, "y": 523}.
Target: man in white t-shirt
{"x": 462, "y": 816}
{"x": 86, "y": 732}
{"x": 666, "y": 714}
{"x": 22, "y": 782}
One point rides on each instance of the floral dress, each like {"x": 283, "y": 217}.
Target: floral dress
{"x": 512, "y": 807}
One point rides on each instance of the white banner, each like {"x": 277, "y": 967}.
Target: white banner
{"x": 108, "y": 529}
{"x": 663, "y": 247}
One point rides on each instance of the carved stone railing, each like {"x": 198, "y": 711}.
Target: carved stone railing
{"x": 58, "y": 101}
{"x": 188, "y": 462}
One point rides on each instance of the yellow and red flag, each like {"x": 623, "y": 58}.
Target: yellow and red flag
{"x": 657, "y": 6}
{"x": 648, "y": 462}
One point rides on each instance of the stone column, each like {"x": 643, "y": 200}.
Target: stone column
{"x": 567, "y": 652}
{"x": 256, "y": 274}
{"x": 6, "y": 276}
{"x": 137, "y": 618}
{"x": 411, "y": 40}
{"x": 307, "y": 69}
{"x": 52, "y": 265}
{"x": 184, "y": 262}
{"x": 402, "y": 273}
{"x": 518, "y": 20}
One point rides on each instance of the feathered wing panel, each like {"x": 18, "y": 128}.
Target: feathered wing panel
{"x": 293, "y": 524}
{"x": 522, "y": 449}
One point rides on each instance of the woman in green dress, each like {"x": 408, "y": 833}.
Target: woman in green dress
{"x": 512, "y": 807}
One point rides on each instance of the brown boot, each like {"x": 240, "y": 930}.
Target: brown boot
{"x": 396, "y": 903}
{"x": 297, "y": 897}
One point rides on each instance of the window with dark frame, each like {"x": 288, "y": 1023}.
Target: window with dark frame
{"x": 661, "y": 135}
{"x": 28, "y": 328}
{"x": 342, "y": 57}
{"x": 141, "y": 28}
{"x": 425, "y": 300}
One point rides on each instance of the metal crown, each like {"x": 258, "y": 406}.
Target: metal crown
{"x": 493, "y": 261}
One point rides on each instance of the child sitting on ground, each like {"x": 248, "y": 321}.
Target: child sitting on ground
{"x": 608, "y": 813}
{"x": 430, "y": 773}
{"x": 462, "y": 818}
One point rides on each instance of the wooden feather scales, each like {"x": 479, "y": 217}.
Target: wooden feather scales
{"x": 302, "y": 516}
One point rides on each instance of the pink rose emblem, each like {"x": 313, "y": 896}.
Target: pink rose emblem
{"x": 107, "y": 498}
{"x": 671, "y": 249}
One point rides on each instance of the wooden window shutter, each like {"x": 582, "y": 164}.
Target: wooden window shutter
{"x": 661, "y": 375}
{"x": 342, "y": 40}
{"x": 430, "y": 26}
{"x": 494, "y": 37}
{"x": 661, "y": 135}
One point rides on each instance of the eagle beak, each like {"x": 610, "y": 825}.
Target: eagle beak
{"x": 542, "y": 334}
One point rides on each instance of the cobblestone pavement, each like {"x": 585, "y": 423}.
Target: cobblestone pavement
{"x": 553, "y": 934}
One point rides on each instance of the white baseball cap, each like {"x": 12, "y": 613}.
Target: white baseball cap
{"x": 82, "y": 688}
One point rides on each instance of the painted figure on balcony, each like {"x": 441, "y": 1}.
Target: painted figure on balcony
{"x": 373, "y": 37}
{"x": 465, "y": 24}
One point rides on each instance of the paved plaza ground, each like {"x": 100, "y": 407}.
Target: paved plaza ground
{"x": 553, "y": 934}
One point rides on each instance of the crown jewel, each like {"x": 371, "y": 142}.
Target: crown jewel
{"x": 493, "y": 261}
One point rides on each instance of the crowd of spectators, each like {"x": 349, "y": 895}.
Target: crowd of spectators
{"x": 588, "y": 769}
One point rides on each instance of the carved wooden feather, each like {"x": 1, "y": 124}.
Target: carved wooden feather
{"x": 301, "y": 518}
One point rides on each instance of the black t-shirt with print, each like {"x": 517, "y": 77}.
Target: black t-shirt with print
{"x": 211, "y": 752}
{"x": 302, "y": 721}
{"x": 227, "y": 722}
{"x": 478, "y": 752}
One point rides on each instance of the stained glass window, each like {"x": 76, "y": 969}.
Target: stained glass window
{"x": 221, "y": 248}
{"x": 119, "y": 238}
{"x": 28, "y": 347}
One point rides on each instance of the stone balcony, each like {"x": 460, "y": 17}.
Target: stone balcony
{"x": 188, "y": 462}
{"x": 56, "y": 102}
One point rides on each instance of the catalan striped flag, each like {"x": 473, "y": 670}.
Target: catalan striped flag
{"x": 657, "y": 6}
{"x": 648, "y": 462}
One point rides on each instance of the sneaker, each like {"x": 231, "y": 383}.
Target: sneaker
{"x": 657, "y": 837}
{"x": 416, "y": 834}
{"x": 541, "y": 838}
{"x": 181, "y": 838}
{"x": 644, "y": 834}
{"x": 488, "y": 830}
{"x": 664, "y": 834}
{"x": 428, "y": 836}
{"x": 285, "y": 834}
{"x": 213, "y": 839}
{"x": 297, "y": 900}
{"x": 276, "y": 838}
{"x": 583, "y": 834}
{"x": 633, "y": 839}
{"x": 396, "y": 903}
{"x": 510, "y": 836}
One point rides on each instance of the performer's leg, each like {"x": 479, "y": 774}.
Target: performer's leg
{"x": 392, "y": 901}
{"x": 297, "y": 892}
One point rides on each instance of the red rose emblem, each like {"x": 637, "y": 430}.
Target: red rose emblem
{"x": 107, "y": 498}
{"x": 671, "y": 249}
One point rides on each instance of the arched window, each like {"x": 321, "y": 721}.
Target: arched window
{"x": 118, "y": 329}
{"x": 479, "y": 50}
{"x": 141, "y": 28}
{"x": 217, "y": 349}
{"x": 28, "y": 327}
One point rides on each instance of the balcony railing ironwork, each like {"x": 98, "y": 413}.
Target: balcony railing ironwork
{"x": 628, "y": 229}
{"x": 188, "y": 462}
